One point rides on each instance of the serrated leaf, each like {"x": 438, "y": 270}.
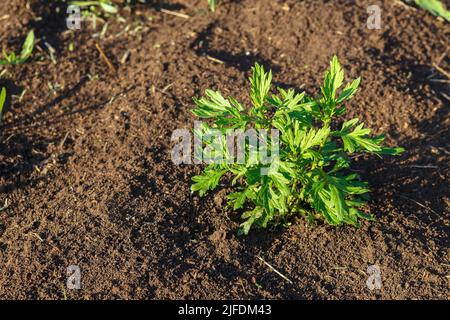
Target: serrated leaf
{"x": 314, "y": 137}
{"x": 212, "y": 105}
{"x": 260, "y": 81}
{"x": 251, "y": 216}
{"x": 334, "y": 77}
{"x": 207, "y": 181}
{"x": 349, "y": 91}
{"x": 358, "y": 138}
{"x": 237, "y": 199}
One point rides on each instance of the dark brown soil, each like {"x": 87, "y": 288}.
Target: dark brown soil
{"x": 86, "y": 171}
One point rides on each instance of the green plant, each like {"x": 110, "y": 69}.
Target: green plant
{"x": 212, "y": 4}
{"x": 435, "y": 7}
{"x": 27, "y": 50}
{"x": 312, "y": 174}
{"x": 2, "y": 102}
{"x": 94, "y": 7}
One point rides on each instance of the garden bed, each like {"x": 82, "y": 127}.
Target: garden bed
{"x": 85, "y": 159}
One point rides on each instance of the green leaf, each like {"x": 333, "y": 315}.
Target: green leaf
{"x": 212, "y": 105}
{"x": 334, "y": 77}
{"x": 2, "y": 101}
{"x": 361, "y": 214}
{"x": 212, "y": 5}
{"x": 314, "y": 138}
{"x": 106, "y": 5}
{"x": 207, "y": 181}
{"x": 349, "y": 91}
{"x": 260, "y": 81}
{"x": 359, "y": 138}
{"x": 436, "y": 7}
{"x": 338, "y": 202}
{"x": 251, "y": 216}
{"x": 27, "y": 48}
{"x": 253, "y": 175}
{"x": 109, "y": 8}
{"x": 237, "y": 199}
{"x": 392, "y": 151}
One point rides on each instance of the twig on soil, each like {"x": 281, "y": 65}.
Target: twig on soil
{"x": 5, "y": 206}
{"x": 275, "y": 270}
{"x": 438, "y": 62}
{"x": 105, "y": 58}
{"x": 61, "y": 144}
{"x": 445, "y": 96}
{"x": 215, "y": 60}
{"x": 37, "y": 236}
{"x": 125, "y": 57}
{"x": 441, "y": 70}
{"x": 242, "y": 285}
{"x": 176, "y": 14}
{"x": 422, "y": 167}
{"x": 439, "y": 80}
{"x": 339, "y": 268}
{"x": 164, "y": 90}
{"x": 51, "y": 52}
{"x": 419, "y": 204}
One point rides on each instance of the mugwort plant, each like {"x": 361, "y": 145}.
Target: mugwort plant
{"x": 310, "y": 173}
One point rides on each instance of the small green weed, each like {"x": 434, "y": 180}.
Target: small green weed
{"x": 212, "y": 4}
{"x": 2, "y": 102}
{"x": 27, "y": 50}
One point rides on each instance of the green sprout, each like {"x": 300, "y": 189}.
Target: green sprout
{"x": 311, "y": 175}
{"x": 212, "y": 5}
{"x": 27, "y": 50}
{"x": 2, "y": 102}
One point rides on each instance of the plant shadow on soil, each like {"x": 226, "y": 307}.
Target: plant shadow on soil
{"x": 417, "y": 179}
{"x": 51, "y": 23}
{"x": 28, "y": 141}
{"x": 241, "y": 61}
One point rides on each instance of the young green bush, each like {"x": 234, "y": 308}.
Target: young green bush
{"x": 313, "y": 175}
{"x": 27, "y": 50}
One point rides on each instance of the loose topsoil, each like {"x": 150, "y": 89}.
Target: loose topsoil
{"x": 86, "y": 172}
